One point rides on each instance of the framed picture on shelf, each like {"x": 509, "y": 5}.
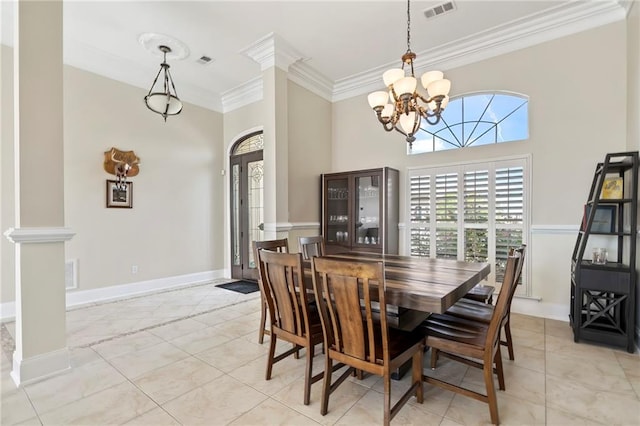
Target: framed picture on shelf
{"x": 119, "y": 197}
{"x": 612, "y": 188}
{"x": 604, "y": 220}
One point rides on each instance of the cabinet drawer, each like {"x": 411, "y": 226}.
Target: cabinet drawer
{"x": 617, "y": 282}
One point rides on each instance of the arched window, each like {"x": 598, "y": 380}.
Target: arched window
{"x": 253, "y": 142}
{"x": 474, "y": 120}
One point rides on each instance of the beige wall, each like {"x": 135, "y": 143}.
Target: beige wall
{"x": 309, "y": 152}
{"x": 569, "y": 133}
{"x": 174, "y": 226}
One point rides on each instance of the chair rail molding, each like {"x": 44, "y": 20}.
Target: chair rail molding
{"x": 39, "y": 235}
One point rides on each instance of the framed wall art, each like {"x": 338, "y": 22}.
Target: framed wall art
{"x": 118, "y": 196}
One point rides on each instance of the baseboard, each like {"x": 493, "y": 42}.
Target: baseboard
{"x": 535, "y": 308}
{"x": 30, "y": 370}
{"x": 105, "y": 294}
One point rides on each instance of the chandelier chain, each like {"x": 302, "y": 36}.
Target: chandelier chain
{"x": 408, "y": 26}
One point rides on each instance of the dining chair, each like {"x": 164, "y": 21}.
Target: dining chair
{"x": 356, "y": 335}
{"x": 478, "y": 311}
{"x": 292, "y": 319}
{"x": 281, "y": 245}
{"x": 311, "y": 246}
{"x": 474, "y": 343}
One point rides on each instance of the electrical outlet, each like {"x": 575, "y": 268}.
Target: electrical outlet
{"x": 134, "y": 269}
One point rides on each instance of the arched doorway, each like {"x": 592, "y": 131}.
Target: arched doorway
{"x": 247, "y": 207}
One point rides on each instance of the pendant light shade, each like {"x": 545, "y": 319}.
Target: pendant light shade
{"x": 165, "y": 102}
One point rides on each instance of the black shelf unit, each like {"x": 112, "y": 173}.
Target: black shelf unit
{"x": 603, "y": 296}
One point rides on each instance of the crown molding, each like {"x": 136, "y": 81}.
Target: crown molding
{"x": 566, "y": 19}
{"x": 300, "y": 73}
{"x": 308, "y": 77}
{"x": 245, "y": 94}
{"x": 272, "y": 51}
{"x": 38, "y": 235}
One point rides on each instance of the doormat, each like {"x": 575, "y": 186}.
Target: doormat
{"x": 244, "y": 287}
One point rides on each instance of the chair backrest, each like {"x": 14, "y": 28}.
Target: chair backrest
{"x": 351, "y": 286}
{"x": 282, "y": 275}
{"x": 311, "y": 246}
{"x": 281, "y": 246}
{"x": 518, "y": 274}
{"x": 499, "y": 317}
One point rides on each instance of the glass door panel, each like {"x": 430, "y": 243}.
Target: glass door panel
{"x": 338, "y": 211}
{"x": 236, "y": 255}
{"x": 256, "y": 206}
{"x": 367, "y": 210}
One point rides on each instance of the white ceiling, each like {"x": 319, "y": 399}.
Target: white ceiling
{"x": 344, "y": 45}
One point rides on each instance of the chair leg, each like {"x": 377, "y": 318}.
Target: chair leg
{"x": 272, "y": 352}
{"x": 434, "y": 358}
{"x": 491, "y": 392}
{"x": 417, "y": 375}
{"x": 499, "y": 370}
{"x": 307, "y": 376}
{"x": 263, "y": 320}
{"x": 387, "y": 399}
{"x": 507, "y": 335}
{"x": 326, "y": 385}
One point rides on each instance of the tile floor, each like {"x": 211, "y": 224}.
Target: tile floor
{"x": 190, "y": 356}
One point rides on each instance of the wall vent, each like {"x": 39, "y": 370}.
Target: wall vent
{"x": 204, "y": 60}
{"x": 439, "y": 9}
{"x": 71, "y": 274}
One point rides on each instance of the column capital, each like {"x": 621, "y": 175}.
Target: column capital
{"x": 273, "y": 51}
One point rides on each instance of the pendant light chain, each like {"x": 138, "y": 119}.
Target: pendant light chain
{"x": 408, "y": 26}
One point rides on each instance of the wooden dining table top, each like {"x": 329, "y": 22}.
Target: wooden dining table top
{"x": 422, "y": 284}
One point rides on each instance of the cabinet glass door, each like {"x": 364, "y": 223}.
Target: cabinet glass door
{"x": 367, "y": 210}
{"x": 338, "y": 211}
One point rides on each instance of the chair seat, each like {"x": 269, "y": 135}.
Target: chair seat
{"x": 399, "y": 341}
{"x": 472, "y": 310}
{"x": 449, "y": 327}
{"x": 481, "y": 293}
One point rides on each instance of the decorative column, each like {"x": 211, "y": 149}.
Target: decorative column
{"x": 275, "y": 57}
{"x": 39, "y": 232}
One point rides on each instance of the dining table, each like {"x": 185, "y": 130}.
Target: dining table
{"x": 418, "y": 286}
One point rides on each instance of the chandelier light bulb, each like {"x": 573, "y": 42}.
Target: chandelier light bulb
{"x": 433, "y": 105}
{"x": 405, "y": 86}
{"x": 407, "y": 122}
{"x": 387, "y": 111}
{"x": 439, "y": 88}
{"x": 392, "y": 75}
{"x": 431, "y": 76}
{"x": 378, "y": 99}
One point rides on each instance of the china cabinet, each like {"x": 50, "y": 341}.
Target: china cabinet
{"x": 360, "y": 210}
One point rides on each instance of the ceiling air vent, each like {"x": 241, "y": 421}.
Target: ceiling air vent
{"x": 204, "y": 60}
{"x": 439, "y": 9}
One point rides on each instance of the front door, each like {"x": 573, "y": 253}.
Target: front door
{"x": 247, "y": 212}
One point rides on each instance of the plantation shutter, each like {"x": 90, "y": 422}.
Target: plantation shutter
{"x": 447, "y": 215}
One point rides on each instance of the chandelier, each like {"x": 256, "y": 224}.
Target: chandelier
{"x": 401, "y": 107}
{"x": 166, "y": 102}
